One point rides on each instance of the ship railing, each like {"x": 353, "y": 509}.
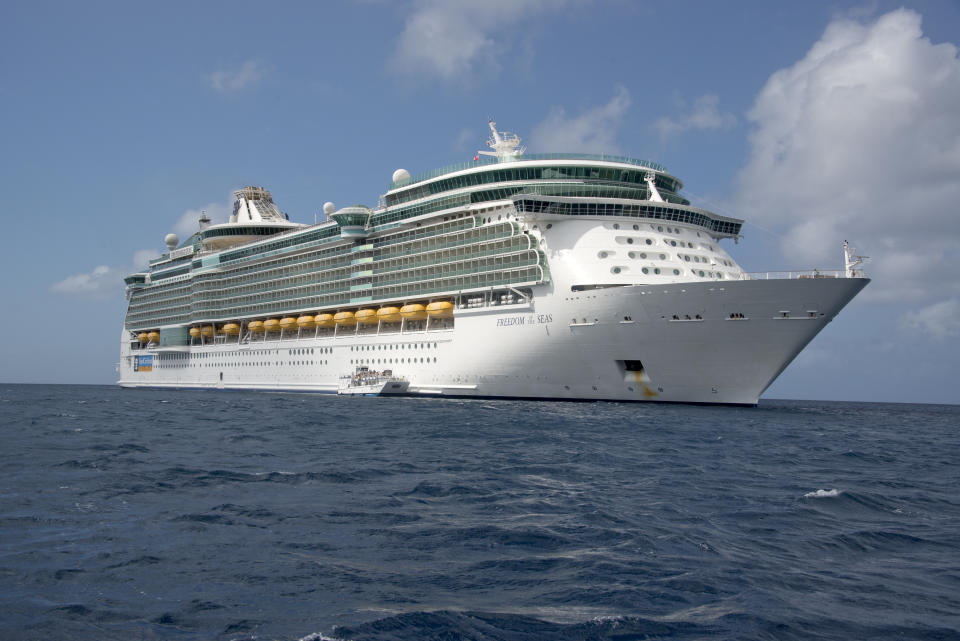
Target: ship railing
{"x": 802, "y": 274}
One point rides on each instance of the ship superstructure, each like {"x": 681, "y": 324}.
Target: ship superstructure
{"x": 534, "y": 276}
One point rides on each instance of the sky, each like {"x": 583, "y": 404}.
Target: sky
{"x": 815, "y": 122}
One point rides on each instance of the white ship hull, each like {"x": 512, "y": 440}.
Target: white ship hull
{"x": 703, "y": 342}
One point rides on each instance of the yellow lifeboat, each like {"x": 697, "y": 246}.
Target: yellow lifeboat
{"x": 271, "y": 325}
{"x": 344, "y": 318}
{"x": 231, "y": 328}
{"x": 206, "y": 330}
{"x": 324, "y": 320}
{"x": 154, "y": 337}
{"x": 306, "y": 322}
{"x": 195, "y": 332}
{"x": 143, "y": 337}
{"x": 366, "y": 316}
{"x": 256, "y": 327}
{"x": 389, "y": 314}
{"x": 440, "y": 309}
{"x": 414, "y": 311}
{"x": 288, "y": 323}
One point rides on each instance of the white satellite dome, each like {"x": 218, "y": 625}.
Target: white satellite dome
{"x": 401, "y": 177}
{"x": 171, "y": 241}
{"x": 328, "y": 208}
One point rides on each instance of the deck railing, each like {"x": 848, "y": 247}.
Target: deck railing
{"x": 802, "y": 274}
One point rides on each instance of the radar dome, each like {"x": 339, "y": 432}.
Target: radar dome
{"x": 328, "y": 208}
{"x": 172, "y": 241}
{"x": 401, "y": 177}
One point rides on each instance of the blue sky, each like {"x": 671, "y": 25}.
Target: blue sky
{"x": 814, "y": 121}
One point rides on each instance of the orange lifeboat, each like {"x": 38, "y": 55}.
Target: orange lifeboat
{"x": 440, "y": 309}
{"x": 256, "y": 327}
{"x": 195, "y": 332}
{"x": 306, "y": 322}
{"x": 324, "y": 320}
{"x": 389, "y": 314}
{"x": 143, "y": 337}
{"x": 271, "y": 325}
{"x": 154, "y": 337}
{"x": 414, "y": 311}
{"x": 344, "y": 318}
{"x": 288, "y": 323}
{"x": 206, "y": 330}
{"x": 366, "y": 316}
{"x": 231, "y": 329}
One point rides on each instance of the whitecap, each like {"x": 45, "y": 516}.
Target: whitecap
{"x": 819, "y": 494}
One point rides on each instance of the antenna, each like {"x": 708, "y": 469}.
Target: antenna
{"x": 505, "y": 145}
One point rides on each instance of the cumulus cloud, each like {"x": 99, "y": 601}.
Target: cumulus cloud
{"x": 189, "y": 222}
{"x": 101, "y": 282}
{"x": 106, "y": 281}
{"x": 940, "y": 320}
{"x": 455, "y": 40}
{"x": 249, "y": 74}
{"x": 704, "y": 114}
{"x": 860, "y": 139}
{"x": 593, "y": 131}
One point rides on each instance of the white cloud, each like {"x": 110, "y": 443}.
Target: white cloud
{"x": 455, "y": 40}
{"x": 860, "y": 139}
{"x": 939, "y": 320}
{"x": 105, "y": 281}
{"x": 101, "y": 282}
{"x": 704, "y": 114}
{"x": 189, "y": 223}
{"x": 249, "y": 74}
{"x": 593, "y": 131}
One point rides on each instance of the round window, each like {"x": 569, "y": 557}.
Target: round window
{"x": 649, "y": 242}
{"x": 615, "y": 270}
{"x": 676, "y": 272}
{"x": 645, "y": 270}
{"x": 629, "y": 241}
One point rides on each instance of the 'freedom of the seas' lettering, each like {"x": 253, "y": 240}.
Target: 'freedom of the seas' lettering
{"x": 533, "y": 319}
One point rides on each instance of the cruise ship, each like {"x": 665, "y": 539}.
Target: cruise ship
{"x": 535, "y": 276}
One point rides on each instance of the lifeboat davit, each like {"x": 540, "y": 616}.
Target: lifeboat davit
{"x": 195, "y": 332}
{"x": 440, "y": 309}
{"x": 414, "y": 311}
{"x": 288, "y": 323}
{"x": 143, "y": 337}
{"x": 345, "y": 318}
{"x": 324, "y": 320}
{"x": 256, "y": 327}
{"x": 366, "y": 316}
{"x": 231, "y": 328}
{"x": 389, "y": 314}
{"x": 206, "y": 330}
{"x": 154, "y": 337}
{"x": 306, "y": 322}
{"x": 271, "y": 325}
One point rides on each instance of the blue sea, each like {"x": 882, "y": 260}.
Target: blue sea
{"x": 142, "y": 514}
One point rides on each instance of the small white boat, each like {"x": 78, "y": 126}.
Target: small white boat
{"x": 367, "y": 382}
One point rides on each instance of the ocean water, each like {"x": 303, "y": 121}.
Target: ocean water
{"x": 129, "y": 514}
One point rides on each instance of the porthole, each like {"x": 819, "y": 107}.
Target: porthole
{"x": 629, "y": 241}
{"x": 656, "y": 270}
{"x": 686, "y": 258}
{"x": 701, "y": 273}
{"x": 636, "y": 228}
{"x": 616, "y": 225}
{"x": 659, "y": 227}
{"x": 615, "y": 270}
{"x": 663, "y": 256}
{"x": 549, "y": 225}
{"x": 645, "y": 270}
{"x": 643, "y": 255}
{"x": 631, "y": 254}
{"x": 676, "y": 272}
{"x": 673, "y": 243}
{"x": 649, "y": 242}
{"x": 602, "y": 254}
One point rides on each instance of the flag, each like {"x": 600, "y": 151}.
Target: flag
{"x": 477, "y": 157}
